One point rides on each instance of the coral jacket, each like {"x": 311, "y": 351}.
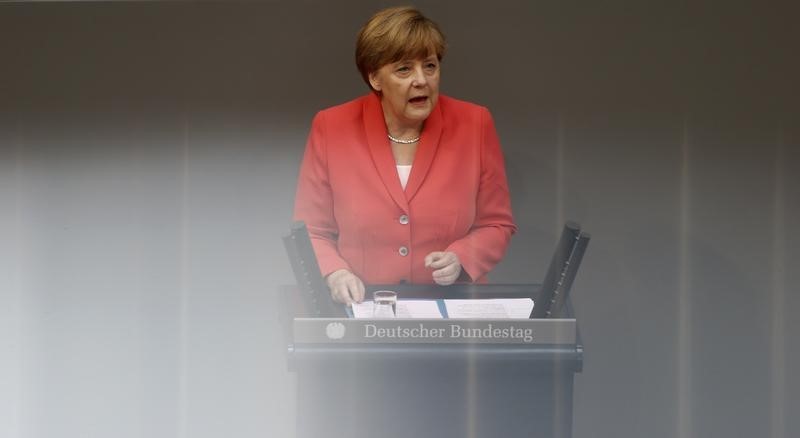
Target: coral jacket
{"x": 360, "y": 218}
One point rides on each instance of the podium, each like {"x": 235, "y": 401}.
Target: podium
{"x": 492, "y": 386}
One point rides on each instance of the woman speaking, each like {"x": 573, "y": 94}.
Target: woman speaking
{"x": 403, "y": 184}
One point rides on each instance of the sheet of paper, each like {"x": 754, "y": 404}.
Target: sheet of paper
{"x": 362, "y": 309}
{"x": 426, "y": 309}
{"x": 418, "y": 309}
{"x": 497, "y": 308}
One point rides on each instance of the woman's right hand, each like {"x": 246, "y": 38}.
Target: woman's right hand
{"x": 345, "y": 287}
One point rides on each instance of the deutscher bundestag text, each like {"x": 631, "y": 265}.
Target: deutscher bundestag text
{"x": 455, "y": 331}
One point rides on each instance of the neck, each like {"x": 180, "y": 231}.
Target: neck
{"x": 399, "y": 129}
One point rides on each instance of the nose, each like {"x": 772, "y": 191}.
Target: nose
{"x": 419, "y": 78}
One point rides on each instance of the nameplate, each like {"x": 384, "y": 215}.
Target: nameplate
{"x": 434, "y": 331}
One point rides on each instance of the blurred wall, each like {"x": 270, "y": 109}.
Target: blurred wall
{"x": 149, "y": 152}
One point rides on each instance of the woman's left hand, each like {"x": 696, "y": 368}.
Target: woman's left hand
{"x": 446, "y": 264}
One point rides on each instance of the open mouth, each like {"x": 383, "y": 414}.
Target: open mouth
{"x": 418, "y": 100}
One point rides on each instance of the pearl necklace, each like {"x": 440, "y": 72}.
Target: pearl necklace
{"x": 401, "y": 141}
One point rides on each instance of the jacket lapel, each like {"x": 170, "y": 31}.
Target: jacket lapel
{"x": 381, "y": 151}
{"x": 426, "y": 151}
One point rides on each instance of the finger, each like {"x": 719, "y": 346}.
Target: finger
{"x": 354, "y": 289}
{"x": 446, "y": 280}
{"x": 337, "y": 296}
{"x": 447, "y": 271}
{"x": 348, "y": 298}
{"x": 449, "y": 274}
{"x": 432, "y": 257}
{"x": 334, "y": 291}
{"x": 349, "y": 289}
{"x": 447, "y": 260}
{"x": 344, "y": 294}
{"x": 442, "y": 260}
{"x": 360, "y": 290}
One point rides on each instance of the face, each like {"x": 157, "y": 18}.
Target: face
{"x": 409, "y": 90}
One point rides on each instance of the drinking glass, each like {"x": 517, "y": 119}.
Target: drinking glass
{"x": 384, "y": 304}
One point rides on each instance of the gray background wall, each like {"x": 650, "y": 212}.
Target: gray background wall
{"x": 148, "y": 156}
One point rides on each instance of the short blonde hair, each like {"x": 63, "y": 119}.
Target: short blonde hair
{"x": 396, "y": 34}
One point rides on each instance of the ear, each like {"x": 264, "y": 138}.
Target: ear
{"x": 373, "y": 80}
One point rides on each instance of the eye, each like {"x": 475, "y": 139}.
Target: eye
{"x": 403, "y": 69}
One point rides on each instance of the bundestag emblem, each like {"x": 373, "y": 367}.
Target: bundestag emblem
{"x": 335, "y": 330}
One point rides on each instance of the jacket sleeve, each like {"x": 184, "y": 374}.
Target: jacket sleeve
{"x": 485, "y": 244}
{"x": 314, "y": 201}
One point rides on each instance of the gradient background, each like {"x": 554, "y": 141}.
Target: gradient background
{"x": 149, "y": 153}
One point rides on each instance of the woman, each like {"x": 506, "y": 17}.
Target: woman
{"x": 403, "y": 184}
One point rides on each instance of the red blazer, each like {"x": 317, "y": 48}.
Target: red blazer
{"x": 360, "y": 218}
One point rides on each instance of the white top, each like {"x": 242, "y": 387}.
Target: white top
{"x": 403, "y": 170}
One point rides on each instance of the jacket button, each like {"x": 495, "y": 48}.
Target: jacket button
{"x": 403, "y": 251}
{"x": 403, "y": 219}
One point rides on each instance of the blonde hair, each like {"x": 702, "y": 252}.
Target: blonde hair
{"x": 396, "y": 34}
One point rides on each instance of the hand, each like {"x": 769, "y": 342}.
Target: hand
{"x": 345, "y": 287}
{"x": 447, "y": 266}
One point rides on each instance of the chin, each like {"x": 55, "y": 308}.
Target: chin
{"x": 420, "y": 114}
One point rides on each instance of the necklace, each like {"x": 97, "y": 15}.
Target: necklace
{"x": 402, "y": 141}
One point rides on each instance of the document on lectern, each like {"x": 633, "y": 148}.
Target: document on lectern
{"x": 498, "y": 308}
{"x": 424, "y": 309}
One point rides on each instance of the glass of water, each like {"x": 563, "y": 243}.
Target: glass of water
{"x": 384, "y": 304}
